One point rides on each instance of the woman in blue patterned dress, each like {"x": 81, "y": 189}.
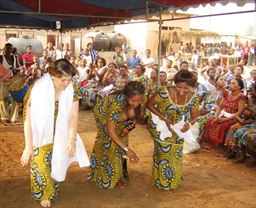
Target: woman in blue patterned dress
{"x": 244, "y": 142}
{"x": 115, "y": 116}
{"x": 244, "y": 138}
{"x": 172, "y": 105}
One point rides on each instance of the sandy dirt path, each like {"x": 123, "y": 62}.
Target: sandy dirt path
{"x": 209, "y": 179}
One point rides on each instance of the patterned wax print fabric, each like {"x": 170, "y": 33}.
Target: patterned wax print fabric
{"x": 247, "y": 136}
{"x": 240, "y": 128}
{"x": 167, "y": 157}
{"x": 107, "y": 157}
{"x": 210, "y": 103}
{"x": 43, "y": 186}
{"x": 230, "y": 141}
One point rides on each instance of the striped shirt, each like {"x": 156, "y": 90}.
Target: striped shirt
{"x": 94, "y": 54}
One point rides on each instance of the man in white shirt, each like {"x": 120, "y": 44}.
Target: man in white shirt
{"x": 194, "y": 61}
{"x": 51, "y": 52}
{"x": 60, "y": 53}
{"x": 147, "y": 61}
{"x": 87, "y": 57}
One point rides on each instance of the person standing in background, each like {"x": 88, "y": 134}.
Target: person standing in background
{"x": 94, "y": 54}
{"x": 133, "y": 60}
{"x": 28, "y": 59}
{"x": 18, "y": 56}
{"x": 60, "y": 53}
{"x": 86, "y": 56}
{"x": 148, "y": 62}
{"x": 246, "y": 51}
{"x": 42, "y": 60}
{"x": 252, "y": 55}
{"x": 125, "y": 50}
{"x": 9, "y": 62}
{"x": 118, "y": 58}
{"x": 51, "y": 52}
{"x": 195, "y": 61}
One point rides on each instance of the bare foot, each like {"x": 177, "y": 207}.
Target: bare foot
{"x": 45, "y": 203}
{"x": 120, "y": 184}
{"x": 4, "y": 123}
{"x": 168, "y": 191}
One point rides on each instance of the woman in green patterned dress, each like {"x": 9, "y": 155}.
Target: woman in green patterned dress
{"x": 45, "y": 116}
{"x": 115, "y": 116}
{"x": 172, "y": 105}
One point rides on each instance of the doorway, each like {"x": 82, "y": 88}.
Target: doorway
{"x": 51, "y": 39}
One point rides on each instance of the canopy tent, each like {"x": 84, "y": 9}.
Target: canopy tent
{"x": 43, "y": 14}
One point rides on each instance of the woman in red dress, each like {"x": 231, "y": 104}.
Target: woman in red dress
{"x": 231, "y": 105}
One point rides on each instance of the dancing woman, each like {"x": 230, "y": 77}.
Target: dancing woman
{"x": 171, "y": 105}
{"x": 115, "y": 116}
{"x": 50, "y": 129}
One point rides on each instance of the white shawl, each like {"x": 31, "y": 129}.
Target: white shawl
{"x": 225, "y": 114}
{"x": 42, "y": 122}
{"x": 190, "y": 143}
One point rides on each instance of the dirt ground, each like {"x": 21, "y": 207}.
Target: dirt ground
{"x": 209, "y": 179}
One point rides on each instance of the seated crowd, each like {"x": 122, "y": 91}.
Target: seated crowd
{"x": 227, "y": 101}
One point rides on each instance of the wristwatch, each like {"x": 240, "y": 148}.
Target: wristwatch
{"x": 126, "y": 149}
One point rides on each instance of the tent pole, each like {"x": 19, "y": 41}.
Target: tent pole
{"x": 62, "y": 46}
{"x": 39, "y": 6}
{"x": 58, "y": 40}
{"x": 159, "y": 46}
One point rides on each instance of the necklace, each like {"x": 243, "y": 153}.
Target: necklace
{"x": 176, "y": 99}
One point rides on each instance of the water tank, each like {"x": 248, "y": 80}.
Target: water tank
{"x": 101, "y": 41}
{"x": 117, "y": 40}
{"x": 22, "y": 43}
